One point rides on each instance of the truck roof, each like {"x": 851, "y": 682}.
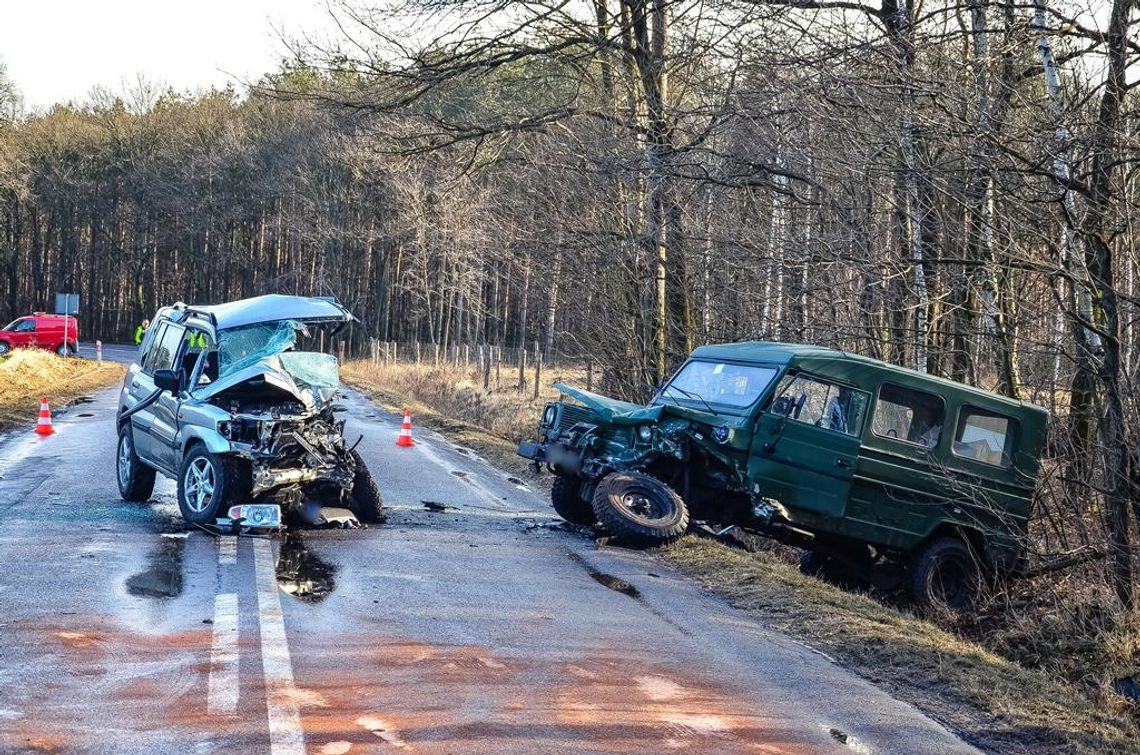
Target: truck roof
{"x": 853, "y": 368}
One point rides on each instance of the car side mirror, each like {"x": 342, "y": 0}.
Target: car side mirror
{"x": 167, "y": 380}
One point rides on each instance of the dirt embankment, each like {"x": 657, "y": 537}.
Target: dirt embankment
{"x": 26, "y": 376}
{"x": 991, "y": 701}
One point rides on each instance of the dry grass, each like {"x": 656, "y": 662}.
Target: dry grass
{"x": 28, "y": 375}
{"x": 992, "y": 701}
{"x": 989, "y": 700}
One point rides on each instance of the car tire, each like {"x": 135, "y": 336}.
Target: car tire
{"x": 136, "y": 479}
{"x": 208, "y": 484}
{"x": 946, "y": 575}
{"x": 4, "y": 347}
{"x": 565, "y": 497}
{"x": 364, "y": 500}
{"x": 65, "y": 350}
{"x": 639, "y": 510}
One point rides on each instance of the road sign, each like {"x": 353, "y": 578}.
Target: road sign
{"x": 66, "y": 304}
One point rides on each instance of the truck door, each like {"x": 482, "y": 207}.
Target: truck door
{"x": 807, "y": 444}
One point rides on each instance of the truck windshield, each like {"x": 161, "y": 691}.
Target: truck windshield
{"x": 722, "y": 384}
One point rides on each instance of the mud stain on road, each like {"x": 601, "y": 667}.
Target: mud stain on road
{"x": 434, "y": 699}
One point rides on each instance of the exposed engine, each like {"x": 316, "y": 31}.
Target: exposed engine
{"x": 296, "y": 456}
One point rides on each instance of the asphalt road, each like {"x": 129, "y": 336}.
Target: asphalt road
{"x": 112, "y": 352}
{"x": 480, "y": 629}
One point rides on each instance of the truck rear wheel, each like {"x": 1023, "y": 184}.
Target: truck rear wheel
{"x": 946, "y": 576}
{"x": 640, "y": 510}
{"x": 565, "y": 497}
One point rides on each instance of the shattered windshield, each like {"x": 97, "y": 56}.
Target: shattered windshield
{"x": 243, "y": 347}
{"x": 718, "y": 383}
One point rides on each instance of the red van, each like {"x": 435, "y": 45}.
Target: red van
{"x": 40, "y": 330}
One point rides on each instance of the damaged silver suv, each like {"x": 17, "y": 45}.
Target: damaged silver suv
{"x": 235, "y": 403}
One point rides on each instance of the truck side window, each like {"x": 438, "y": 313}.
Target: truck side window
{"x": 817, "y": 402}
{"x": 25, "y": 326}
{"x": 908, "y": 415}
{"x": 985, "y": 437}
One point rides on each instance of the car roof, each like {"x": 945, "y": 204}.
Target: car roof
{"x": 854, "y": 368}
{"x": 272, "y": 308}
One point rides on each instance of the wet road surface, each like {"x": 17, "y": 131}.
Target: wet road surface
{"x": 477, "y": 629}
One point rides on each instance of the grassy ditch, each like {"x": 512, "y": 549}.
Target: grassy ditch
{"x": 1026, "y": 678}
{"x": 28, "y": 375}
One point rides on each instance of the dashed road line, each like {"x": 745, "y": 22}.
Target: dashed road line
{"x": 227, "y": 550}
{"x": 285, "y": 734}
{"x": 222, "y": 694}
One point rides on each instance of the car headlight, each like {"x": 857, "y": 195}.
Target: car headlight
{"x": 548, "y": 416}
{"x": 645, "y": 433}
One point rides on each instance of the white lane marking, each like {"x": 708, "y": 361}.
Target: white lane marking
{"x": 222, "y": 694}
{"x": 227, "y": 550}
{"x": 285, "y": 734}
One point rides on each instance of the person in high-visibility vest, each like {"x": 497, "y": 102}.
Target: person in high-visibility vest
{"x": 140, "y": 331}
{"x": 196, "y": 339}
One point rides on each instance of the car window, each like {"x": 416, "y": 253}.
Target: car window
{"x": 25, "y": 326}
{"x": 163, "y": 349}
{"x": 985, "y": 437}
{"x": 908, "y": 415}
{"x": 808, "y": 399}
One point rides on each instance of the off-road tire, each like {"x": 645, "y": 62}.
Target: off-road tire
{"x": 364, "y": 500}
{"x": 566, "y": 499}
{"x": 942, "y": 559}
{"x": 136, "y": 479}
{"x": 618, "y": 499}
{"x": 231, "y": 485}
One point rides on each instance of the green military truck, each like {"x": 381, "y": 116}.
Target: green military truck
{"x": 853, "y": 459}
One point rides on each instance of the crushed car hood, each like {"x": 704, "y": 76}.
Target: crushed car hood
{"x": 270, "y": 370}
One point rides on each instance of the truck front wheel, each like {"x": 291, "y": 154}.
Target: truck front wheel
{"x": 566, "y": 498}
{"x": 946, "y": 575}
{"x": 640, "y": 510}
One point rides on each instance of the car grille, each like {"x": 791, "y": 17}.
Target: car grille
{"x": 572, "y": 415}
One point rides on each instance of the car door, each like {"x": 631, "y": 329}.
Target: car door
{"x": 807, "y": 444}
{"x": 155, "y": 426}
{"x": 25, "y": 334}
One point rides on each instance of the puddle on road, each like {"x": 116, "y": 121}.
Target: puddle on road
{"x": 84, "y": 415}
{"x": 302, "y": 573}
{"x": 163, "y": 577}
{"x": 615, "y": 584}
{"x": 609, "y": 580}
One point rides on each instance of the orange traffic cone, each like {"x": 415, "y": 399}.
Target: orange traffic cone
{"x": 405, "y": 438}
{"x": 43, "y": 427}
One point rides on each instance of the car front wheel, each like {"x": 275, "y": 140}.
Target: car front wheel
{"x": 640, "y": 510}
{"x": 4, "y": 347}
{"x": 364, "y": 501}
{"x": 208, "y": 484}
{"x": 136, "y": 479}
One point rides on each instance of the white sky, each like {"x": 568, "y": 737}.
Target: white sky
{"x": 57, "y": 50}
